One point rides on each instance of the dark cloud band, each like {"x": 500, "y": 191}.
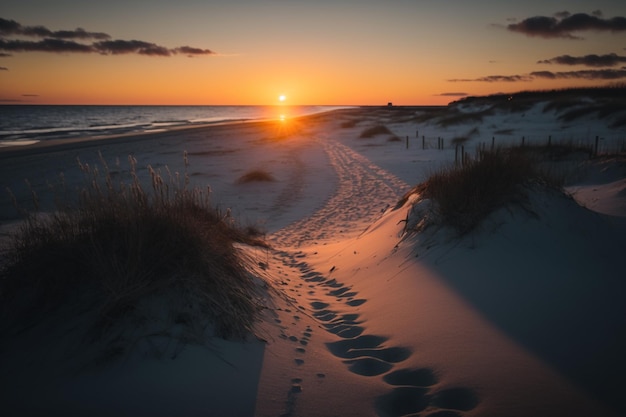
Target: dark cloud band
{"x": 564, "y": 24}
{"x": 608, "y": 60}
{"x": 11, "y": 27}
{"x": 603, "y": 74}
{"x": 68, "y": 41}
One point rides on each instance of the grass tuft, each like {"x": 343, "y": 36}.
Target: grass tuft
{"x": 465, "y": 194}
{"x": 256, "y": 175}
{"x": 121, "y": 246}
{"x": 375, "y": 131}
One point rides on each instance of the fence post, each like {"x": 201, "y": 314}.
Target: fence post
{"x": 456, "y": 154}
{"x": 423, "y": 142}
{"x": 493, "y": 142}
{"x": 407, "y": 141}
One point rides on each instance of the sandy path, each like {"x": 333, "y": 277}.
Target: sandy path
{"x": 364, "y": 192}
{"x": 334, "y": 307}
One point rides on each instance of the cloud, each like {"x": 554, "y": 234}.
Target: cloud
{"x": 604, "y": 74}
{"x": 11, "y": 27}
{"x": 45, "y": 45}
{"x": 452, "y": 94}
{"x": 608, "y": 60}
{"x": 73, "y": 41}
{"x": 563, "y": 24}
{"x": 188, "y": 50}
{"x": 30, "y": 95}
{"x": 4, "y": 55}
{"x": 493, "y": 79}
{"x": 118, "y": 47}
{"x": 4, "y": 69}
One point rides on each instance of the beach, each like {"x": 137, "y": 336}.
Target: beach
{"x": 523, "y": 316}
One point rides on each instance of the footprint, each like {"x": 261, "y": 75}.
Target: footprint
{"x": 318, "y": 305}
{"x": 420, "y": 377}
{"x": 333, "y": 284}
{"x": 368, "y": 366}
{"x": 342, "y": 347}
{"x": 402, "y": 401}
{"x": 356, "y": 303}
{"x": 339, "y": 291}
{"x": 462, "y": 399}
{"x": 346, "y": 331}
{"x": 443, "y": 413}
{"x": 325, "y": 315}
{"x": 390, "y": 354}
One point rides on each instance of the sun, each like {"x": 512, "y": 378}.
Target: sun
{"x": 282, "y": 97}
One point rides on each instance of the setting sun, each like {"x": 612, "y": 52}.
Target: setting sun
{"x": 282, "y": 98}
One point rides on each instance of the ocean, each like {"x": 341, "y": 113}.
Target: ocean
{"x": 25, "y": 124}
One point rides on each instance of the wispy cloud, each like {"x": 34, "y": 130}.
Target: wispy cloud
{"x": 602, "y": 74}
{"x": 45, "y": 45}
{"x": 452, "y": 94}
{"x": 4, "y": 69}
{"x": 11, "y": 27}
{"x": 493, "y": 79}
{"x": 73, "y": 41}
{"x": 608, "y": 60}
{"x": 563, "y": 24}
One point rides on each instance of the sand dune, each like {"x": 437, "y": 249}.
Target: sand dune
{"x": 521, "y": 317}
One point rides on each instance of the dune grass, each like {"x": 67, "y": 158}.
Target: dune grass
{"x": 375, "y": 131}
{"x": 465, "y": 194}
{"x": 121, "y": 245}
{"x": 256, "y": 175}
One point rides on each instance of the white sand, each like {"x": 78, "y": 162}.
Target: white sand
{"x": 523, "y": 317}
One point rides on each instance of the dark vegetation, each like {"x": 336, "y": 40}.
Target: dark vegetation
{"x": 121, "y": 246}
{"x": 375, "y": 131}
{"x": 256, "y": 175}
{"x": 464, "y": 194}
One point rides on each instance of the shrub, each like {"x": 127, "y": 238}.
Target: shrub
{"x": 121, "y": 245}
{"x": 375, "y": 131}
{"x": 464, "y": 195}
{"x": 256, "y": 175}
{"x": 349, "y": 123}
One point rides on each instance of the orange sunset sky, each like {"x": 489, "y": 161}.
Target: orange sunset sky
{"x": 339, "y": 52}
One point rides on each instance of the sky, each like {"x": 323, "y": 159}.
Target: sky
{"x": 322, "y": 52}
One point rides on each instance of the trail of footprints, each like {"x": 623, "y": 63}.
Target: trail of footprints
{"x": 361, "y": 186}
{"x": 412, "y": 390}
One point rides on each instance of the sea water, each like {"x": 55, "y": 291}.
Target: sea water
{"x": 27, "y": 123}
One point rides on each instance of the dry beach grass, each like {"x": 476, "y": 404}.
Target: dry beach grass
{"x": 116, "y": 246}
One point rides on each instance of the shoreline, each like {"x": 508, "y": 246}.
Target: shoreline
{"x": 59, "y": 144}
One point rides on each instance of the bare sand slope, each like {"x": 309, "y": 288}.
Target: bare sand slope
{"x": 409, "y": 343}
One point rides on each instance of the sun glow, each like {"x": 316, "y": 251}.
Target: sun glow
{"x": 282, "y": 98}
